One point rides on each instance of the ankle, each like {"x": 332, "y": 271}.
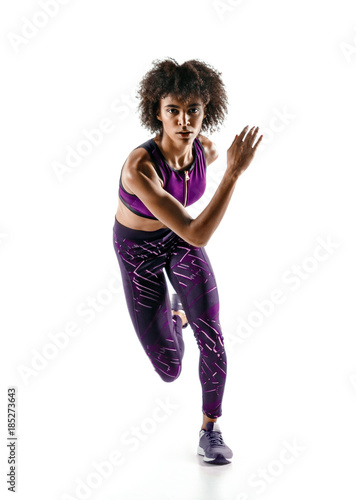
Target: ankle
{"x": 182, "y": 316}
{"x": 206, "y": 420}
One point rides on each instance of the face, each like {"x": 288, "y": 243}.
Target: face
{"x": 177, "y": 117}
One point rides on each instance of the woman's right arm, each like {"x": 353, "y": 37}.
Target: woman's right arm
{"x": 143, "y": 180}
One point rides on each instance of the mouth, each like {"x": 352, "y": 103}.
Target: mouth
{"x": 184, "y": 134}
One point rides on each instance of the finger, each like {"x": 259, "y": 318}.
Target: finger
{"x": 255, "y": 131}
{"x": 252, "y": 133}
{"x": 251, "y": 136}
{"x": 248, "y": 136}
{"x": 243, "y": 132}
{"x": 257, "y": 143}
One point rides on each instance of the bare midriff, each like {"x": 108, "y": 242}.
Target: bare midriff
{"x": 129, "y": 219}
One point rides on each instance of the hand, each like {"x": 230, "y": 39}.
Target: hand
{"x": 241, "y": 152}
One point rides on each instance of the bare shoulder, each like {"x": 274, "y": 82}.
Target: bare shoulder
{"x": 139, "y": 160}
{"x": 210, "y": 149}
{"x": 136, "y": 158}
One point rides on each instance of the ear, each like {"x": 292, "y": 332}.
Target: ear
{"x": 158, "y": 112}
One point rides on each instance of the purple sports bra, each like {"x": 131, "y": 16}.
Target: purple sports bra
{"x": 187, "y": 185}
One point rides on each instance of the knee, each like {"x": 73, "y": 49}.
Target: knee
{"x": 172, "y": 374}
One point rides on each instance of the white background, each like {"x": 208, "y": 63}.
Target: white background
{"x": 292, "y": 378}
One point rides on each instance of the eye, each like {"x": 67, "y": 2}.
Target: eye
{"x": 192, "y": 110}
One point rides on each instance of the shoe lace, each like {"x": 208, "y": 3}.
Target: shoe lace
{"x": 215, "y": 438}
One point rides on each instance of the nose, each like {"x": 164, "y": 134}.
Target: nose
{"x": 183, "y": 119}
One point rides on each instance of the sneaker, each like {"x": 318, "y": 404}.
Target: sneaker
{"x": 212, "y": 446}
{"x": 177, "y": 306}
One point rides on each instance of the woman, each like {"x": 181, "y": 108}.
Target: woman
{"x": 153, "y": 231}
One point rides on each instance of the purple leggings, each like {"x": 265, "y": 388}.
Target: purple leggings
{"x": 142, "y": 256}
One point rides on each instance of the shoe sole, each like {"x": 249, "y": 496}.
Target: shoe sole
{"x": 218, "y": 460}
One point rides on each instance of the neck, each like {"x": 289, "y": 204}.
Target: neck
{"x": 178, "y": 153}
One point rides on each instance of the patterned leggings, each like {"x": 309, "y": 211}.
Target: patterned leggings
{"x": 142, "y": 256}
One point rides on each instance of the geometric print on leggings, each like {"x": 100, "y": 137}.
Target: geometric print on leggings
{"x": 192, "y": 274}
{"x": 189, "y": 270}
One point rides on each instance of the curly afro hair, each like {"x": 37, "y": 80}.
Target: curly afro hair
{"x": 193, "y": 78}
